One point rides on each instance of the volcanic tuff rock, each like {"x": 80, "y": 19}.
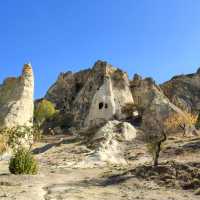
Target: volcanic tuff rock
{"x": 16, "y": 99}
{"x": 184, "y": 91}
{"x": 92, "y": 96}
{"x": 108, "y": 143}
{"x": 150, "y": 100}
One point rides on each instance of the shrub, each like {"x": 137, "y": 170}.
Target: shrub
{"x": 19, "y": 136}
{"x": 23, "y": 162}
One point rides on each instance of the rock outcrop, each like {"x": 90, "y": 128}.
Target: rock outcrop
{"x": 16, "y": 100}
{"x": 150, "y": 100}
{"x": 92, "y": 96}
{"x": 184, "y": 91}
{"x": 108, "y": 143}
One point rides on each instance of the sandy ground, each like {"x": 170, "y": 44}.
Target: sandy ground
{"x": 59, "y": 179}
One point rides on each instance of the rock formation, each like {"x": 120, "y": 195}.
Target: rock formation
{"x": 184, "y": 91}
{"x": 108, "y": 143}
{"x": 150, "y": 100}
{"x": 16, "y": 99}
{"x": 92, "y": 96}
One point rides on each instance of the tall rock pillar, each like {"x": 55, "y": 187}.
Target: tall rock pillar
{"x": 16, "y": 100}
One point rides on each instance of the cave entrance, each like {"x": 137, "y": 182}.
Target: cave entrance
{"x": 101, "y": 104}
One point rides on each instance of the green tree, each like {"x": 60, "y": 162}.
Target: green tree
{"x": 43, "y": 111}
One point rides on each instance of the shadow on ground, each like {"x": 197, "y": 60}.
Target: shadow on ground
{"x": 48, "y": 146}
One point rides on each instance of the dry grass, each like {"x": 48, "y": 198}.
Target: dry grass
{"x": 3, "y": 144}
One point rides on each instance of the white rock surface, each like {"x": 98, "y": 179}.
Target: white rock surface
{"x": 110, "y": 98}
{"x": 16, "y": 99}
{"x": 109, "y": 144}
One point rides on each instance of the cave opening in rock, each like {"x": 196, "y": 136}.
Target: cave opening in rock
{"x": 101, "y": 105}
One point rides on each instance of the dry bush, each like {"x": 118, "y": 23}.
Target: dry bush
{"x": 175, "y": 121}
{"x": 18, "y": 136}
{"x": 128, "y": 109}
{"x": 3, "y": 144}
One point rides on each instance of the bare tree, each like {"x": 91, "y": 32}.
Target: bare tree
{"x": 155, "y": 136}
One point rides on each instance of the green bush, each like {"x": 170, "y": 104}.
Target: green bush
{"x": 23, "y": 162}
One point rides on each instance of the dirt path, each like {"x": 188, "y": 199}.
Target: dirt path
{"x": 59, "y": 180}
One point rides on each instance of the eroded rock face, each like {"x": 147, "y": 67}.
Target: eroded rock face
{"x": 151, "y": 101}
{"x": 92, "y": 96}
{"x": 108, "y": 143}
{"x": 184, "y": 91}
{"x": 16, "y": 100}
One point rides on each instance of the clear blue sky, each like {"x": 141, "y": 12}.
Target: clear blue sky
{"x": 158, "y": 38}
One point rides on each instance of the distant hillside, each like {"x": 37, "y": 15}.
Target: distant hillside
{"x": 184, "y": 91}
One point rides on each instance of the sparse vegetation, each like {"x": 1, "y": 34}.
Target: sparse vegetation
{"x": 128, "y": 109}
{"x": 18, "y": 136}
{"x": 23, "y": 162}
{"x": 3, "y": 144}
{"x": 37, "y": 133}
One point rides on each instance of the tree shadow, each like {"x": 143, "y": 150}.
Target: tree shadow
{"x": 48, "y": 146}
{"x": 166, "y": 174}
{"x": 116, "y": 179}
{"x": 192, "y": 146}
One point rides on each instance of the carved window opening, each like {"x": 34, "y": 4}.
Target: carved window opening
{"x": 90, "y": 88}
{"x": 101, "y": 105}
{"x": 78, "y": 87}
{"x": 106, "y": 106}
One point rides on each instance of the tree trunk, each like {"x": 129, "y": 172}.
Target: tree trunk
{"x": 157, "y": 153}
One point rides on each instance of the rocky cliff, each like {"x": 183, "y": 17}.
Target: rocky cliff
{"x": 184, "y": 91}
{"x": 151, "y": 101}
{"x": 16, "y": 99}
{"x": 92, "y": 96}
